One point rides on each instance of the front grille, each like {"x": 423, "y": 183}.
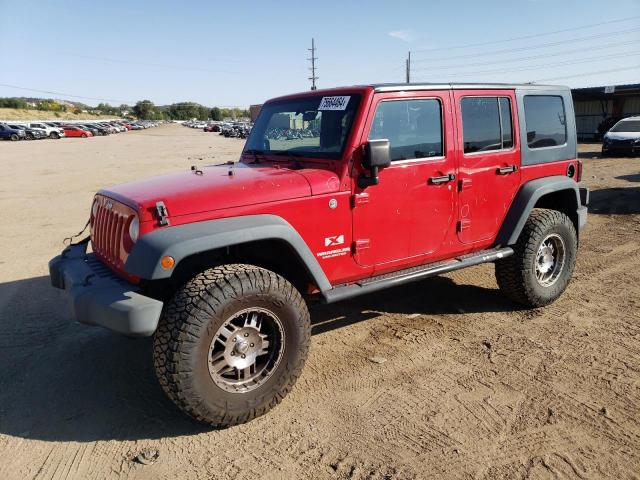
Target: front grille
{"x": 108, "y": 227}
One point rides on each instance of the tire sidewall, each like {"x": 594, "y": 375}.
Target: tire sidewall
{"x": 550, "y": 293}
{"x": 218, "y": 399}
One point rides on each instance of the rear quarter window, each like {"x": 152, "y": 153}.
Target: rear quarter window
{"x": 546, "y": 121}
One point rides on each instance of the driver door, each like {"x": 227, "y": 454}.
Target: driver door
{"x": 405, "y": 218}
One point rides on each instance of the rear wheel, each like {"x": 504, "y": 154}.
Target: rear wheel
{"x": 543, "y": 261}
{"x": 231, "y": 344}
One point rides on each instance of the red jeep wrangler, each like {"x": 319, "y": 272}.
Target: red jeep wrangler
{"x": 337, "y": 193}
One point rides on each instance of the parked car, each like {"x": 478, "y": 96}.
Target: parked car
{"x": 76, "y": 131}
{"x": 212, "y": 127}
{"x": 49, "y": 130}
{"x": 93, "y": 130}
{"x": 623, "y": 138}
{"x": 100, "y": 129}
{"x": 10, "y": 133}
{"x": 29, "y": 133}
{"x": 402, "y": 183}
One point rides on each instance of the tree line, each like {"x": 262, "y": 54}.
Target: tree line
{"x": 144, "y": 109}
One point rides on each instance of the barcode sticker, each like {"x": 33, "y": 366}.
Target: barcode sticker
{"x": 334, "y": 103}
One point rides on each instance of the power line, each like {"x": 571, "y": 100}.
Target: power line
{"x": 587, "y": 74}
{"x": 545, "y": 65}
{"x": 493, "y": 42}
{"x": 313, "y": 59}
{"x": 519, "y": 59}
{"x": 65, "y": 94}
{"x": 540, "y": 45}
{"x": 157, "y": 65}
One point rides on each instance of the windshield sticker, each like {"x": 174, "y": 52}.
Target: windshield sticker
{"x": 334, "y": 103}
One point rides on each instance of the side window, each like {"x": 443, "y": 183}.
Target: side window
{"x": 413, "y": 127}
{"x": 486, "y": 123}
{"x": 546, "y": 121}
{"x": 505, "y": 122}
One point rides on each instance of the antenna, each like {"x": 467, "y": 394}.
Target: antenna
{"x": 313, "y": 59}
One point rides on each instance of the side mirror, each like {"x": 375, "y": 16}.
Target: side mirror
{"x": 376, "y": 155}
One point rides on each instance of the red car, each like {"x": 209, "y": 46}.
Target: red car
{"x": 337, "y": 193}
{"x": 73, "y": 131}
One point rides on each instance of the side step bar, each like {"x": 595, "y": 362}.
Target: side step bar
{"x": 373, "y": 284}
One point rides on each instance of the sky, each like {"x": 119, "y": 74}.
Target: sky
{"x": 237, "y": 53}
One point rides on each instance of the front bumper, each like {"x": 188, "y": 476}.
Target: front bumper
{"x": 99, "y": 297}
{"x": 621, "y": 148}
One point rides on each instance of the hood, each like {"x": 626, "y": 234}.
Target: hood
{"x": 214, "y": 189}
{"x": 622, "y": 135}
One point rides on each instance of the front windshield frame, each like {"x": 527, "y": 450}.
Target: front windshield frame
{"x": 257, "y": 140}
{"x": 622, "y": 126}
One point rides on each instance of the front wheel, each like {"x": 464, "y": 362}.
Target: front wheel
{"x": 543, "y": 261}
{"x": 231, "y": 343}
{"x": 84, "y": 135}
{"x": 54, "y": 135}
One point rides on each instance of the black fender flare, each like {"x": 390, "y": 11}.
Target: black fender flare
{"x": 185, "y": 240}
{"x": 526, "y": 199}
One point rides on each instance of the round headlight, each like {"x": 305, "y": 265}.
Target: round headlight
{"x": 134, "y": 229}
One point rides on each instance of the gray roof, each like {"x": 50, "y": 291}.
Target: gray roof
{"x": 394, "y": 87}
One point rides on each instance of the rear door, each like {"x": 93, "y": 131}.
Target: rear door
{"x": 407, "y": 215}
{"x": 489, "y": 161}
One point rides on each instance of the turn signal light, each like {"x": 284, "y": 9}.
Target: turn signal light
{"x": 167, "y": 262}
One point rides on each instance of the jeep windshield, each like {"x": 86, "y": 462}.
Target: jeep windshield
{"x": 313, "y": 126}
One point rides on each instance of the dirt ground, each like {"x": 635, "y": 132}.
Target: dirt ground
{"x": 472, "y": 386}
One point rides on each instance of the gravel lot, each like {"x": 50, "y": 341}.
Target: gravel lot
{"x": 470, "y": 386}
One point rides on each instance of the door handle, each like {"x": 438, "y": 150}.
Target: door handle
{"x": 443, "y": 179}
{"x": 507, "y": 170}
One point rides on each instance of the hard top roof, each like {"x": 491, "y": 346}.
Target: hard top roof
{"x": 392, "y": 87}
{"x": 396, "y": 87}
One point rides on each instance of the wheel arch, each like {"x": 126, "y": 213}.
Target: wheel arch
{"x": 267, "y": 241}
{"x": 556, "y": 193}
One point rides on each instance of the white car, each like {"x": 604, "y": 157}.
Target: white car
{"x": 52, "y": 132}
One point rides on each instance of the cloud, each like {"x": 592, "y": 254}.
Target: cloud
{"x": 403, "y": 35}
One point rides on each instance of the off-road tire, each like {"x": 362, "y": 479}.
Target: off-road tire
{"x": 189, "y": 322}
{"x": 516, "y": 275}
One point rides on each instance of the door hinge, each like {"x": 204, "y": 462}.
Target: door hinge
{"x": 464, "y": 184}
{"x": 464, "y": 224}
{"x": 361, "y": 244}
{"x": 359, "y": 199}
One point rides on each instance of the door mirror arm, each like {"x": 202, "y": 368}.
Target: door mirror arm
{"x": 376, "y": 155}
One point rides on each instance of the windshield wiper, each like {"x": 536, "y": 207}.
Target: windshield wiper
{"x": 292, "y": 155}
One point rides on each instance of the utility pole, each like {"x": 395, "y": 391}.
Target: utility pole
{"x": 409, "y": 68}
{"x": 313, "y": 59}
